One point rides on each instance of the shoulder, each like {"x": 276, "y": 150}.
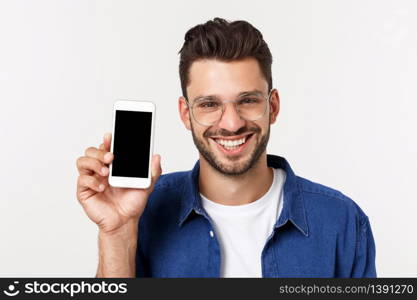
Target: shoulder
{"x": 171, "y": 180}
{"x": 326, "y": 203}
{"x": 165, "y": 199}
{"x": 168, "y": 185}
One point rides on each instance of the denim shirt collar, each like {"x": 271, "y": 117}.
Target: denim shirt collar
{"x": 293, "y": 207}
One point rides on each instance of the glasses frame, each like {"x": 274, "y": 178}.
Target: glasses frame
{"x": 191, "y": 106}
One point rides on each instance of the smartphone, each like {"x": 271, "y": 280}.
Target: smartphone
{"x": 132, "y": 143}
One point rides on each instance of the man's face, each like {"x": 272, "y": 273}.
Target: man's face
{"x": 227, "y": 81}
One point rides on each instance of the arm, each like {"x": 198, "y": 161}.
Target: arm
{"x": 365, "y": 252}
{"x": 117, "y": 251}
{"x": 115, "y": 210}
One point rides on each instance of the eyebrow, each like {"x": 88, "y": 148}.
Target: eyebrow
{"x": 241, "y": 94}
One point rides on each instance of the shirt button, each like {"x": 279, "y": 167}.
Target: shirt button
{"x": 211, "y": 233}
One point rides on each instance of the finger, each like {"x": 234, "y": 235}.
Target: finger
{"x": 102, "y": 155}
{"x": 101, "y": 147}
{"x": 88, "y": 165}
{"x": 107, "y": 141}
{"x": 103, "y": 179}
{"x": 156, "y": 169}
{"x": 90, "y": 182}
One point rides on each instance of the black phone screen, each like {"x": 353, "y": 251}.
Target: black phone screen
{"x": 131, "y": 145}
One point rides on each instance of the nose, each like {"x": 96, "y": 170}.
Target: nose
{"x": 230, "y": 119}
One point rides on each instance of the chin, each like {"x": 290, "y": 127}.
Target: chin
{"x": 230, "y": 166}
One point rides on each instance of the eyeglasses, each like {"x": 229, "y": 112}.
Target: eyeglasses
{"x": 207, "y": 111}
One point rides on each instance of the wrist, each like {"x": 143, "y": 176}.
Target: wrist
{"x": 125, "y": 231}
{"x": 117, "y": 251}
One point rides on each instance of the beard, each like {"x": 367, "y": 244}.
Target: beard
{"x": 238, "y": 168}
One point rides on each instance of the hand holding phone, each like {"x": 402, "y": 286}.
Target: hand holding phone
{"x": 115, "y": 210}
{"x": 107, "y": 206}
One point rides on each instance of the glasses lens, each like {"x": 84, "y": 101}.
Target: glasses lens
{"x": 251, "y": 108}
{"x": 209, "y": 111}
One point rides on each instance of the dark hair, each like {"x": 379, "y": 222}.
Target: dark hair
{"x": 223, "y": 40}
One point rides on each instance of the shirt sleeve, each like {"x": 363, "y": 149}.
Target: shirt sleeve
{"x": 364, "y": 265}
{"x": 140, "y": 263}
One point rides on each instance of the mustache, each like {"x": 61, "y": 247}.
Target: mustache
{"x": 224, "y": 132}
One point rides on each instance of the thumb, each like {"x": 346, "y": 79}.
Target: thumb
{"x": 156, "y": 167}
{"x": 107, "y": 141}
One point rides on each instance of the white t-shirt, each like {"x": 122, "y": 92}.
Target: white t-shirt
{"x": 242, "y": 230}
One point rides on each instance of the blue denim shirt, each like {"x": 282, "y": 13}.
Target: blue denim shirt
{"x": 319, "y": 233}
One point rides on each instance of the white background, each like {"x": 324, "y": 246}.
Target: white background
{"x": 346, "y": 72}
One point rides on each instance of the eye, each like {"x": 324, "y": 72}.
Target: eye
{"x": 249, "y": 101}
{"x": 208, "y": 104}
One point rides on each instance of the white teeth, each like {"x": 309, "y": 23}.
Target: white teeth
{"x": 229, "y": 143}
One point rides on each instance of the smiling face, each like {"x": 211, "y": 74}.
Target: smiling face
{"x": 233, "y": 145}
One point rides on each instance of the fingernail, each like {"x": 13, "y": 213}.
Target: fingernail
{"x": 107, "y": 156}
{"x": 103, "y": 170}
{"x": 101, "y": 187}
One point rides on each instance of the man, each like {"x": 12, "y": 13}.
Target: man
{"x": 239, "y": 212}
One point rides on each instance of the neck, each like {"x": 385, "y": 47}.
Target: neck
{"x": 235, "y": 190}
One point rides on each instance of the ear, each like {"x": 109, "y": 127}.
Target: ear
{"x": 274, "y": 105}
{"x": 184, "y": 112}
